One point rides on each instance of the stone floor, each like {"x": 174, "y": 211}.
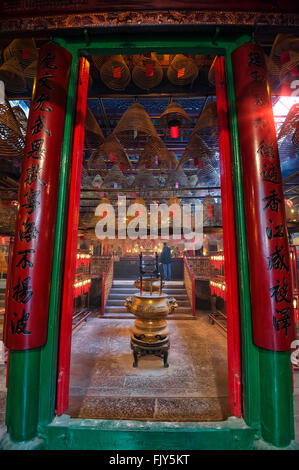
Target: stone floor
{"x": 164, "y": 386}
{"x": 105, "y": 385}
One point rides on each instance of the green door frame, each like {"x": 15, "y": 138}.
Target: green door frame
{"x": 41, "y": 364}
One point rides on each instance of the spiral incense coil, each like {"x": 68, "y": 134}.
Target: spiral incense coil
{"x": 24, "y": 50}
{"x": 156, "y": 155}
{"x": 111, "y": 150}
{"x": 291, "y": 125}
{"x": 114, "y": 178}
{"x": 291, "y": 66}
{"x": 12, "y": 75}
{"x": 98, "y": 61}
{"x": 147, "y": 73}
{"x": 115, "y": 73}
{"x": 145, "y": 180}
{"x": 136, "y": 119}
{"x": 174, "y": 114}
{"x": 92, "y": 125}
{"x": 13, "y": 125}
{"x": 284, "y": 57}
{"x": 207, "y": 118}
{"x": 30, "y": 70}
{"x": 182, "y": 70}
{"x": 295, "y": 138}
{"x": 196, "y": 150}
{"x": 176, "y": 178}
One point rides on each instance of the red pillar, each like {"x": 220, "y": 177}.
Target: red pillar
{"x": 268, "y": 253}
{"x": 30, "y": 278}
{"x": 229, "y": 244}
{"x": 71, "y": 242}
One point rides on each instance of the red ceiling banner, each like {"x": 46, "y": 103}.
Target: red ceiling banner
{"x": 30, "y": 280}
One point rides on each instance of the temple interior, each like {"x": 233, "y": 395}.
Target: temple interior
{"x": 151, "y": 138}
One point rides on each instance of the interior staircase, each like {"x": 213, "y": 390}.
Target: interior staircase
{"x": 121, "y": 289}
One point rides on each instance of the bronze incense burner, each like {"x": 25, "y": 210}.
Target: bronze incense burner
{"x": 150, "y": 306}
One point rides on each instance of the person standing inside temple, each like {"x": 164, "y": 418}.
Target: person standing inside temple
{"x": 166, "y": 261}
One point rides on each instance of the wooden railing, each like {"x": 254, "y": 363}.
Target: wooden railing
{"x": 107, "y": 281}
{"x": 189, "y": 281}
{"x": 200, "y": 266}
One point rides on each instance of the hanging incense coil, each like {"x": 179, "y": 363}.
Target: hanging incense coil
{"x": 93, "y": 133}
{"x": 145, "y": 179}
{"x": 295, "y": 138}
{"x": 110, "y": 151}
{"x": 86, "y": 179}
{"x": 134, "y": 126}
{"x": 115, "y": 73}
{"x": 147, "y": 73}
{"x": 291, "y": 125}
{"x": 209, "y": 210}
{"x": 291, "y": 66}
{"x": 177, "y": 178}
{"x": 21, "y": 118}
{"x": 97, "y": 161}
{"x": 156, "y": 155}
{"x": 136, "y": 119}
{"x": 273, "y": 70}
{"x": 98, "y": 61}
{"x": 12, "y": 75}
{"x": 114, "y": 179}
{"x": 146, "y": 184}
{"x": 12, "y": 131}
{"x": 24, "y": 50}
{"x": 91, "y": 124}
{"x": 198, "y": 151}
{"x": 208, "y": 176}
{"x": 30, "y": 70}
{"x": 207, "y": 118}
{"x": 174, "y": 115}
{"x": 284, "y": 57}
{"x": 182, "y": 70}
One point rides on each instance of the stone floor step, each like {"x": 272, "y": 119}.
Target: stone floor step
{"x": 120, "y": 290}
{"x": 122, "y": 309}
{"x": 117, "y": 282}
{"x": 118, "y": 296}
{"x": 116, "y": 302}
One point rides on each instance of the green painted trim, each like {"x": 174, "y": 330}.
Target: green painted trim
{"x": 33, "y": 444}
{"x": 277, "y": 416}
{"x": 22, "y": 394}
{"x": 249, "y": 352}
{"x": 163, "y": 43}
{"x": 49, "y": 353}
{"x": 66, "y": 433}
